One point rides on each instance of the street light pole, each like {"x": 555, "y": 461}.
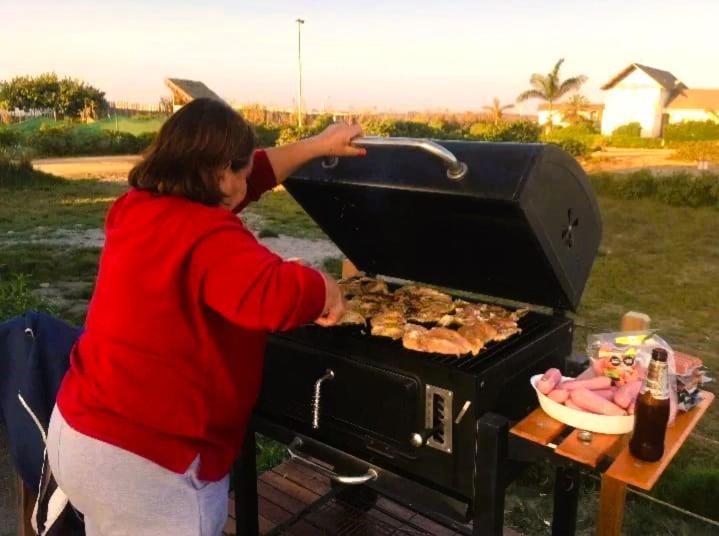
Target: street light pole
{"x": 300, "y": 22}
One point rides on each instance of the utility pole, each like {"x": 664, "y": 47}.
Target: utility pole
{"x": 300, "y": 22}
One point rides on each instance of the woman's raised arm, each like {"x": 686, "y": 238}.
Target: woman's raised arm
{"x": 335, "y": 140}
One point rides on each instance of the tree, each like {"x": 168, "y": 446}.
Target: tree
{"x": 575, "y": 106}
{"x": 66, "y": 97}
{"x": 550, "y": 87}
{"x": 497, "y": 110}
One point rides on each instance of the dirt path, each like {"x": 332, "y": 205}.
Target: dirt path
{"x": 625, "y": 160}
{"x": 105, "y": 167}
{"x": 313, "y": 252}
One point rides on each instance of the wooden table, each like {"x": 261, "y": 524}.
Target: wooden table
{"x": 609, "y": 454}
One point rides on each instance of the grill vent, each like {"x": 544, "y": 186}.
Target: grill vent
{"x": 438, "y": 418}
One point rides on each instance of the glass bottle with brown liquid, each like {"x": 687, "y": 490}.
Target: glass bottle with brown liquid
{"x": 651, "y": 414}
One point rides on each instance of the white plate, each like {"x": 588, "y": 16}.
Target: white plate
{"x": 583, "y": 420}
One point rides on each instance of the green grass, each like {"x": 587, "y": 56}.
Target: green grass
{"x": 134, "y": 125}
{"x": 32, "y": 199}
{"x": 333, "y": 266}
{"x": 658, "y": 259}
{"x": 283, "y": 215}
{"x": 16, "y": 297}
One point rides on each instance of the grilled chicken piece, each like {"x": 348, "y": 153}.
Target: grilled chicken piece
{"x": 447, "y": 320}
{"x": 413, "y": 337}
{"x": 389, "y": 324}
{"x": 470, "y": 314}
{"x": 474, "y": 335}
{"x": 352, "y": 318}
{"x": 427, "y": 310}
{"x": 506, "y": 327}
{"x": 359, "y": 286}
{"x": 449, "y": 335}
{"x": 417, "y": 291}
{"x": 435, "y": 340}
{"x": 368, "y": 305}
{"x": 479, "y": 330}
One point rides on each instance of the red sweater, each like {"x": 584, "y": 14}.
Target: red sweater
{"x": 170, "y": 364}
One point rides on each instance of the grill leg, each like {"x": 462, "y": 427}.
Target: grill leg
{"x": 566, "y": 499}
{"x": 489, "y": 485}
{"x": 245, "y": 486}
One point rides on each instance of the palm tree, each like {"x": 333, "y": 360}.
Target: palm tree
{"x": 497, "y": 110}
{"x": 575, "y": 105}
{"x": 550, "y": 88}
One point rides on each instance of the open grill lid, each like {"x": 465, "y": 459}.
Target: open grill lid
{"x": 522, "y": 223}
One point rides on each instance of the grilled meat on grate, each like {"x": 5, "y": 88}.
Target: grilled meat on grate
{"x": 389, "y": 323}
{"x": 455, "y": 327}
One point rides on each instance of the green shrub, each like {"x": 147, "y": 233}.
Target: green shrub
{"x": 683, "y": 189}
{"x": 72, "y": 140}
{"x": 16, "y": 297}
{"x": 694, "y": 151}
{"x": 575, "y": 147}
{"x": 289, "y": 135}
{"x": 630, "y": 130}
{"x": 266, "y": 136}
{"x": 482, "y": 131}
{"x": 629, "y": 136}
{"x": 578, "y": 140}
{"x": 145, "y": 139}
{"x": 678, "y": 189}
{"x": 409, "y": 129}
{"x": 10, "y": 137}
{"x": 516, "y": 131}
{"x": 632, "y": 142}
{"x": 692, "y": 131}
{"x": 520, "y": 131}
{"x": 20, "y": 174}
{"x": 51, "y": 140}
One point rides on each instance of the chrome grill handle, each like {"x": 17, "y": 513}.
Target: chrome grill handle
{"x": 329, "y": 375}
{"x": 293, "y": 449}
{"x": 456, "y": 170}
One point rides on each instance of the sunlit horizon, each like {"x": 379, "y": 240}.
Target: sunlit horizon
{"x": 385, "y": 56}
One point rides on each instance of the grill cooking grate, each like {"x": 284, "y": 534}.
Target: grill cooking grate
{"x": 353, "y": 339}
{"x": 530, "y": 324}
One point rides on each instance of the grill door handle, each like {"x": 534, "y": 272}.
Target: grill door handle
{"x": 456, "y": 170}
{"x": 295, "y": 454}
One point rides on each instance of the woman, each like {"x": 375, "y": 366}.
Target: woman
{"x": 153, "y": 410}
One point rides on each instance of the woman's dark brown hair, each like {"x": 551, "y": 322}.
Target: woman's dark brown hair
{"x": 192, "y": 149}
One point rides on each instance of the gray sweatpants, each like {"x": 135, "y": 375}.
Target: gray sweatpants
{"x": 121, "y": 493}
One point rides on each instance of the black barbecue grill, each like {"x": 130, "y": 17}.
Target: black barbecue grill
{"x": 515, "y": 222}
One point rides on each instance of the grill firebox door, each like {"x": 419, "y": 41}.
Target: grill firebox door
{"x": 329, "y": 393}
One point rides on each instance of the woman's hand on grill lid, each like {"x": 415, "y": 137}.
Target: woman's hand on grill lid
{"x": 335, "y": 305}
{"x": 336, "y": 140}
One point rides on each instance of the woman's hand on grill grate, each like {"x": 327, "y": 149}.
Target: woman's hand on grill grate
{"x": 335, "y": 305}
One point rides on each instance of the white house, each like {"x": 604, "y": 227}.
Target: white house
{"x": 557, "y": 114}
{"x": 653, "y": 98}
{"x": 694, "y": 105}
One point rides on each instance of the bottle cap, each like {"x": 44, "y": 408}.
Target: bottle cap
{"x": 659, "y": 354}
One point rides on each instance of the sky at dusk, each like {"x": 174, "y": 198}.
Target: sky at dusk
{"x": 397, "y": 55}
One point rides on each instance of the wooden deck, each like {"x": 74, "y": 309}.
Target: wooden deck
{"x": 295, "y": 500}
